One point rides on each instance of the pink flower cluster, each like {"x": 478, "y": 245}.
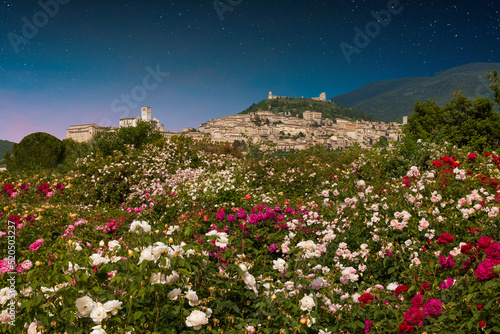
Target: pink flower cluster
{"x": 37, "y": 244}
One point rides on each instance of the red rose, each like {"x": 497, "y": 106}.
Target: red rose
{"x": 424, "y": 287}
{"x": 405, "y": 328}
{"x": 364, "y": 299}
{"x": 484, "y": 242}
{"x": 484, "y": 270}
{"x": 437, "y": 163}
{"x": 466, "y": 248}
{"x": 414, "y": 316}
{"x": 417, "y": 301}
{"x": 472, "y": 156}
{"x": 493, "y": 251}
{"x": 481, "y": 324}
{"x": 400, "y": 289}
{"x": 479, "y": 306}
{"x": 445, "y": 238}
{"x": 433, "y": 307}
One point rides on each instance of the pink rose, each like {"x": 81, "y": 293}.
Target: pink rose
{"x": 493, "y": 251}
{"x": 417, "y": 301}
{"x": 484, "y": 270}
{"x": 414, "y": 316}
{"x": 484, "y": 242}
{"x": 26, "y": 265}
{"x": 37, "y": 244}
{"x": 433, "y": 307}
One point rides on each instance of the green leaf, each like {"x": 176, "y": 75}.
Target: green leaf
{"x": 137, "y": 315}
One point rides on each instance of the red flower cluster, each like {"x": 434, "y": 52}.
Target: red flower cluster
{"x": 472, "y": 156}
{"x": 365, "y": 298}
{"x": 445, "y": 238}
{"x": 484, "y": 270}
{"x": 419, "y": 310}
{"x": 450, "y": 161}
{"x": 400, "y": 289}
{"x": 8, "y": 189}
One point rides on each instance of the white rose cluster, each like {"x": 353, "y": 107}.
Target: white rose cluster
{"x": 222, "y": 238}
{"x": 198, "y": 318}
{"x": 96, "y": 311}
{"x": 137, "y": 226}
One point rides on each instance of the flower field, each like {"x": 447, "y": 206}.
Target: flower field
{"x": 174, "y": 238}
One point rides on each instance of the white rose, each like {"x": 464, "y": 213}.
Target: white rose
{"x": 172, "y": 295}
{"x": 114, "y": 245}
{"x": 158, "y": 278}
{"x": 97, "y": 330}
{"x": 192, "y": 297}
{"x": 159, "y": 248}
{"x": 97, "y": 259}
{"x": 307, "y": 303}
{"x": 146, "y": 254}
{"x": 98, "y": 314}
{"x": 196, "y": 319}
{"x": 5, "y": 317}
{"x": 280, "y": 265}
{"x": 222, "y": 241}
{"x": 248, "y": 278}
{"x": 113, "y": 306}
{"x": 84, "y": 306}
{"x": 32, "y": 328}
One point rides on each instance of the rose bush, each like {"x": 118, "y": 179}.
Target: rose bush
{"x": 173, "y": 238}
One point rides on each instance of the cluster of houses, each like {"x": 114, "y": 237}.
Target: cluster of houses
{"x": 286, "y": 131}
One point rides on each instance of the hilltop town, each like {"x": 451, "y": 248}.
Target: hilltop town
{"x": 264, "y": 126}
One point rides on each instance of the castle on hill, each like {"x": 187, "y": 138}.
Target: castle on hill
{"x": 270, "y": 96}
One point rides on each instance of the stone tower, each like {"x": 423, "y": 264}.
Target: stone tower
{"x": 270, "y": 96}
{"x": 322, "y": 96}
{"x": 146, "y": 113}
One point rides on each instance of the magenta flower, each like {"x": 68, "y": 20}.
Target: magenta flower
{"x": 221, "y": 214}
{"x": 433, "y": 307}
{"x": 37, "y": 244}
{"x": 368, "y": 324}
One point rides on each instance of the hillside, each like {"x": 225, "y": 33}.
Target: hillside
{"x": 5, "y": 146}
{"x": 390, "y": 100}
{"x": 296, "y": 107}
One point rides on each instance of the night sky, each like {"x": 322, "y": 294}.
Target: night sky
{"x": 97, "y": 61}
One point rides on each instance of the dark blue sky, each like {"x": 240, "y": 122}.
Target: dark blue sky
{"x": 96, "y": 61}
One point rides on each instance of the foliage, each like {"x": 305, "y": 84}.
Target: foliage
{"x": 37, "y": 151}
{"x": 108, "y": 141}
{"x": 5, "y": 146}
{"x": 461, "y": 122}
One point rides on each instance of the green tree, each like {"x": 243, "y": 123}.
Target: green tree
{"x": 111, "y": 140}
{"x": 461, "y": 122}
{"x": 72, "y": 151}
{"x": 37, "y": 151}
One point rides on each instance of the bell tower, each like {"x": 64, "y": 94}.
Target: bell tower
{"x": 146, "y": 113}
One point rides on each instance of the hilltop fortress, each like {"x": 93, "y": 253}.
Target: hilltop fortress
{"x": 286, "y": 131}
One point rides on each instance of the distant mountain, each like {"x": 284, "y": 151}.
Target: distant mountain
{"x": 390, "y": 100}
{"x": 5, "y": 146}
{"x": 297, "y": 106}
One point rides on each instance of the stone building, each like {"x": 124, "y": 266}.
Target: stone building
{"x": 83, "y": 133}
